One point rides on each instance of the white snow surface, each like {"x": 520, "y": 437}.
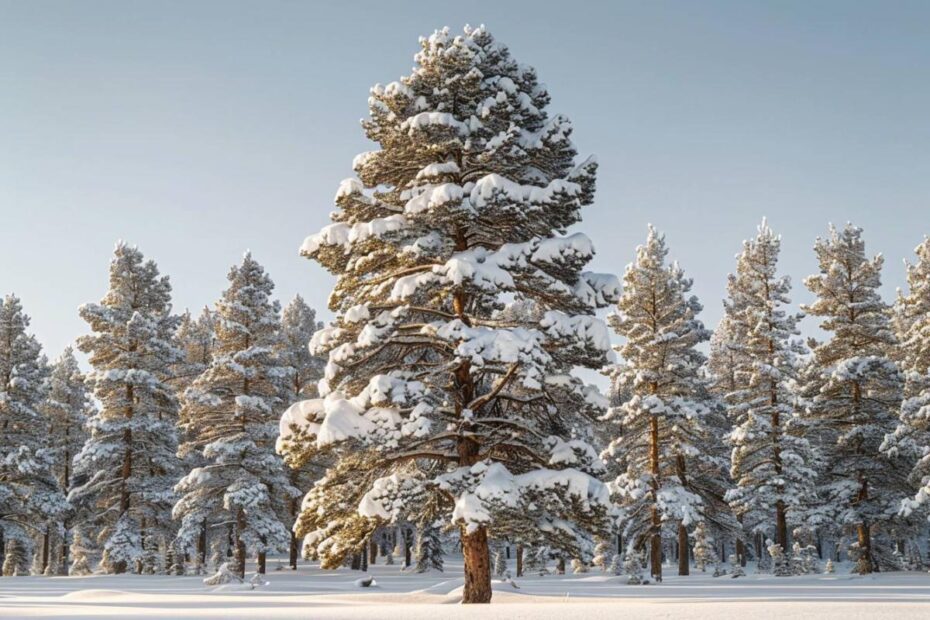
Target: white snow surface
{"x": 313, "y": 593}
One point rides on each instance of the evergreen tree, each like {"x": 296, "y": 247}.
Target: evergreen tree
{"x": 128, "y": 464}
{"x": 30, "y": 498}
{"x": 298, "y": 324}
{"x": 463, "y": 208}
{"x": 229, "y": 416}
{"x": 912, "y": 325}
{"x": 68, "y": 408}
{"x": 771, "y": 462}
{"x": 664, "y": 432}
{"x": 195, "y": 338}
{"x": 854, "y": 390}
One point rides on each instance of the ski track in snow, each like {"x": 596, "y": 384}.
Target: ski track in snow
{"x": 312, "y": 593}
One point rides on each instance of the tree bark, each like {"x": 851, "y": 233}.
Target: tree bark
{"x": 46, "y": 541}
{"x": 477, "y": 567}
{"x": 202, "y": 544}
{"x": 781, "y": 525}
{"x": 240, "y": 544}
{"x": 740, "y": 552}
{"x": 372, "y": 551}
{"x": 519, "y": 560}
{"x": 292, "y": 559}
{"x": 684, "y": 565}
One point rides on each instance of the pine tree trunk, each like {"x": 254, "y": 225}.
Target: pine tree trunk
{"x": 356, "y": 563}
{"x": 865, "y": 548}
{"x": 372, "y": 551}
{"x": 262, "y": 562}
{"x": 477, "y": 567}
{"x": 363, "y": 558}
{"x": 740, "y": 552}
{"x": 519, "y": 560}
{"x": 560, "y": 566}
{"x": 240, "y": 544}
{"x": 63, "y": 568}
{"x": 781, "y": 525}
{"x": 46, "y": 541}
{"x": 656, "y": 550}
{"x": 684, "y": 565}
{"x": 202, "y": 544}
{"x": 292, "y": 559}
{"x": 407, "y": 551}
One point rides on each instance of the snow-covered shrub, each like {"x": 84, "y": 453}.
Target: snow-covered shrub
{"x": 736, "y": 569}
{"x": 579, "y": 567}
{"x": 225, "y": 574}
{"x": 500, "y": 563}
{"x": 804, "y": 560}
{"x": 704, "y": 553}
{"x": 633, "y": 567}
{"x": 616, "y": 565}
{"x": 780, "y": 565}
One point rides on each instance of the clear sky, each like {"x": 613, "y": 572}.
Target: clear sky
{"x": 197, "y": 130}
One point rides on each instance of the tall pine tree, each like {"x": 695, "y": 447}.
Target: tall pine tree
{"x": 464, "y": 206}
{"x": 912, "y": 325}
{"x": 298, "y": 324}
{"x": 230, "y": 415}
{"x": 68, "y": 407}
{"x": 30, "y": 498}
{"x": 664, "y": 422}
{"x": 772, "y": 464}
{"x": 854, "y": 392}
{"x": 128, "y": 465}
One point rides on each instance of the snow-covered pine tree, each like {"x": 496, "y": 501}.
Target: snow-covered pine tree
{"x": 704, "y": 553}
{"x": 195, "y": 338}
{"x": 463, "y": 207}
{"x": 854, "y": 390}
{"x": 298, "y": 324}
{"x": 68, "y": 407}
{"x": 663, "y": 422}
{"x": 912, "y": 325}
{"x": 30, "y": 499}
{"x": 771, "y": 463}
{"x": 229, "y": 414}
{"x": 129, "y": 464}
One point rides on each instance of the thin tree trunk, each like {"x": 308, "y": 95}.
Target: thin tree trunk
{"x": 202, "y": 544}
{"x": 684, "y": 566}
{"x": 292, "y": 559}
{"x": 740, "y": 552}
{"x": 372, "y": 551}
{"x": 240, "y": 544}
{"x": 63, "y": 567}
{"x": 519, "y": 560}
{"x": 46, "y": 541}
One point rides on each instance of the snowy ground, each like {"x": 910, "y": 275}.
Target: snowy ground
{"x": 311, "y": 593}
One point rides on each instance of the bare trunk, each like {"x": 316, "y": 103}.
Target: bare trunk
{"x": 656, "y": 549}
{"x": 865, "y": 548}
{"x": 240, "y": 544}
{"x": 292, "y": 559}
{"x": 740, "y": 552}
{"x": 477, "y": 567}
{"x": 202, "y": 544}
{"x": 372, "y": 551}
{"x": 684, "y": 565}
{"x": 781, "y": 525}
{"x": 519, "y": 560}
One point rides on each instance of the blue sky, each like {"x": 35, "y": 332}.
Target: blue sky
{"x": 197, "y": 130}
